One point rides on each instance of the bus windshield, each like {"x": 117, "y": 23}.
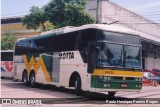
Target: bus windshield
{"x": 132, "y": 57}
{"x": 110, "y": 55}
{"x": 121, "y": 56}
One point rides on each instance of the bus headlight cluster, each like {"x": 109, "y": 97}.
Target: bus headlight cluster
{"x": 107, "y": 78}
{"x": 138, "y": 79}
{"x": 104, "y": 77}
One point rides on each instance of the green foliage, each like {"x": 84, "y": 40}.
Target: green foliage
{"x": 49, "y": 26}
{"x": 35, "y": 18}
{"x": 67, "y": 13}
{"x": 8, "y": 42}
{"x": 59, "y": 13}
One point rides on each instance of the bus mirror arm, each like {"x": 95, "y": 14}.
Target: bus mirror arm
{"x": 97, "y": 48}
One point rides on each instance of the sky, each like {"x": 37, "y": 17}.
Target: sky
{"x": 147, "y": 8}
{"x": 19, "y": 7}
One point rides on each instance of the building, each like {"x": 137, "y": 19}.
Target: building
{"x": 108, "y": 12}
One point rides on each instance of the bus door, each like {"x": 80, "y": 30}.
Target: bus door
{"x": 92, "y": 60}
{"x": 56, "y": 68}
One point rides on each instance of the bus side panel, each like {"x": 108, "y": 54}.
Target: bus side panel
{"x": 53, "y": 68}
{"x": 41, "y": 64}
{"x": 40, "y": 77}
{"x": 68, "y": 70}
{"x": 70, "y": 62}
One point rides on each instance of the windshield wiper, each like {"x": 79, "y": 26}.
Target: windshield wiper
{"x": 133, "y": 67}
{"x": 115, "y": 66}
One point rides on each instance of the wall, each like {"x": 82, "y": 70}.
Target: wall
{"x": 151, "y": 63}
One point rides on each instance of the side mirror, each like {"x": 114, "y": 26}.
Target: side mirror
{"x": 97, "y": 48}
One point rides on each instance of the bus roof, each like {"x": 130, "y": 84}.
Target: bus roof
{"x": 105, "y": 27}
{"x": 113, "y": 28}
{"x": 67, "y": 29}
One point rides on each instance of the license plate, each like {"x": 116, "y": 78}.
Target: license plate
{"x": 123, "y": 85}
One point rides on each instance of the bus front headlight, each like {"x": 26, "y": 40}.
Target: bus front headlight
{"x": 138, "y": 79}
{"x": 107, "y": 78}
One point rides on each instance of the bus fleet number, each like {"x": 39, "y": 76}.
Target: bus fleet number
{"x": 109, "y": 72}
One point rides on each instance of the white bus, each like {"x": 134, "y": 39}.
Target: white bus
{"x": 7, "y": 63}
{"x": 93, "y": 57}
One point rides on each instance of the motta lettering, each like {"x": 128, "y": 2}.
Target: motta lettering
{"x": 66, "y": 55}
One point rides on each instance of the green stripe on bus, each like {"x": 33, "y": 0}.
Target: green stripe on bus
{"x": 47, "y": 60}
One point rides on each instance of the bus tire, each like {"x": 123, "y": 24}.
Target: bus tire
{"x": 111, "y": 94}
{"x": 77, "y": 85}
{"x": 25, "y": 78}
{"x": 32, "y": 80}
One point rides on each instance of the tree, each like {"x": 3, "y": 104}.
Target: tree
{"x": 59, "y": 13}
{"x": 8, "y": 42}
{"x": 35, "y": 18}
{"x": 67, "y": 13}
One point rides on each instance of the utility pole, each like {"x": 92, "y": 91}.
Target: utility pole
{"x": 97, "y": 12}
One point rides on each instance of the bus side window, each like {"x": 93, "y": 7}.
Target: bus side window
{"x": 23, "y": 47}
{"x": 6, "y": 56}
{"x": 33, "y": 46}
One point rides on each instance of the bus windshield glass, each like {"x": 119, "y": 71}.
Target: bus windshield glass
{"x": 121, "y": 56}
{"x": 132, "y": 57}
{"x": 110, "y": 55}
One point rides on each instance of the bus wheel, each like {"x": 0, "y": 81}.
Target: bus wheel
{"x": 25, "y": 78}
{"x": 32, "y": 80}
{"x": 77, "y": 85}
{"x": 111, "y": 94}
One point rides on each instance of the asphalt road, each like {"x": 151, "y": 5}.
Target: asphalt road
{"x": 65, "y": 97}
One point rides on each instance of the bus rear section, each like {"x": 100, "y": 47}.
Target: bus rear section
{"x": 7, "y": 63}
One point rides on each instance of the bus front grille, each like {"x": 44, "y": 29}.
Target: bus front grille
{"x": 118, "y": 78}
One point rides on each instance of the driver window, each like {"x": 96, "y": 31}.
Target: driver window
{"x": 85, "y": 36}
